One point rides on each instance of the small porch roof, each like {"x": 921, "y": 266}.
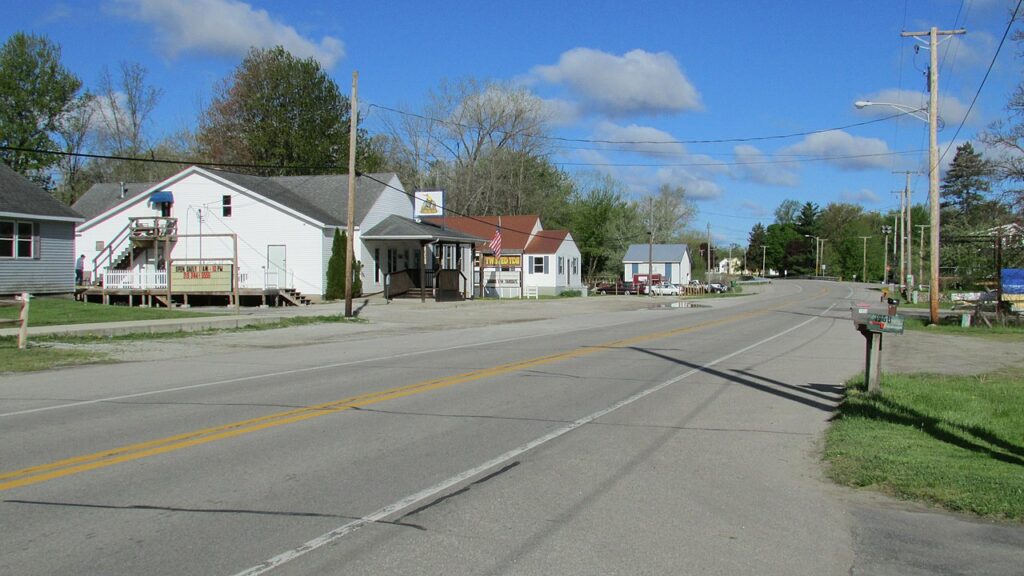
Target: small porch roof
{"x": 398, "y": 228}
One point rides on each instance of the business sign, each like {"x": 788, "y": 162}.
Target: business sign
{"x": 429, "y": 203}
{"x": 202, "y": 277}
{"x": 505, "y": 261}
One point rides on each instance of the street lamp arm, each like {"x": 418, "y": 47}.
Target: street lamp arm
{"x": 921, "y": 114}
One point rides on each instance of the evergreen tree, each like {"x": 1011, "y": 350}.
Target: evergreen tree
{"x": 755, "y": 254}
{"x": 964, "y": 188}
{"x": 336, "y": 267}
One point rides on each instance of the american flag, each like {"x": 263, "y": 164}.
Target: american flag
{"x": 496, "y": 243}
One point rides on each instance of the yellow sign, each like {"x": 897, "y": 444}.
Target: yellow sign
{"x": 202, "y": 277}
{"x": 506, "y": 261}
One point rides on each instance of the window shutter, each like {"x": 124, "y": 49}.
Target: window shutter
{"x": 529, "y": 267}
{"x": 36, "y": 243}
{"x": 546, "y": 264}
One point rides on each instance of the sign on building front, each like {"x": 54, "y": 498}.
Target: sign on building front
{"x": 515, "y": 261}
{"x": 202, "y": 277}
{"x": 428, "y": 203}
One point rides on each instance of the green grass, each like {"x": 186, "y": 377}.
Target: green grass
{"x": 45, "y": 352}
{"x": 42, "y": 356}
{"x": 45, "y": 311}
{"x": 956, "y": 442}
{"x": 952, "y": 327}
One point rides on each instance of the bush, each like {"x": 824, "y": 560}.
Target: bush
{"x": 570, "y": 293}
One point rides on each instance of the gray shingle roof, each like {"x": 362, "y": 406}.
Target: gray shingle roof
{"x": 662, "y": 253}
{"x": 323, "y": 198}
{"x": 398, "y": 227}
{"x": 103, "y": 196}
{"x": 18, "y": 195}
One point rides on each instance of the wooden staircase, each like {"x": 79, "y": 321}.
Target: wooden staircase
{"x": 293, "y": 297}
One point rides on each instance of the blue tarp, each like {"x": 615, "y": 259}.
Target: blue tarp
{"x": 161, "y": 197}
{"x": 1013, "y": 280}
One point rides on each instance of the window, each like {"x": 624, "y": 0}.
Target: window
{"x": 16, "y": 239}
{"x": 561, "y": 266}
{"x": 538, "y": 264}
{"x": 225, "y": 203}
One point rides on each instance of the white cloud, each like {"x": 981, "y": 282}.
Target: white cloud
{"x": 225, "y": 27}
{"x": 639, "y": 139}
{"x": 560, "y": 112}
{"x": 754, "y": 209}
{"x": 951, "y": 109}
{"x": 862, "y": 196}
{"x": 842, "y": 150}
{"x": 639, "y": 82}
{"x": 752, "y": 164}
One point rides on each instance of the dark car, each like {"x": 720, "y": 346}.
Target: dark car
{"x": 617, "y": 287}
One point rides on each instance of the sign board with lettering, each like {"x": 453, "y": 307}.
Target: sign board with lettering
{"x": 428, "y": 203}
{"x": 515, "y": 261}
{"x": 202, "y": 277}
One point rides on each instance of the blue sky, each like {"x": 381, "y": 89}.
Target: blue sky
{"x": 679, "y": 72}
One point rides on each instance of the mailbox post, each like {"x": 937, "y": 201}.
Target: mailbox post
{"x": 872, "y": 323}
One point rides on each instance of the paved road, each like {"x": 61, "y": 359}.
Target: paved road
{"x": 651, "y": 441}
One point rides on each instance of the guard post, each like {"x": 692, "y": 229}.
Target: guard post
{"x": 872, "y": 323}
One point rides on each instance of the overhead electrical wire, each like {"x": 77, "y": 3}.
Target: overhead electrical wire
{"x": 977, "y": 93}
{"x": 674, "y": 142}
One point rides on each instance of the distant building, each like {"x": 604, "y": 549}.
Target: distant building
{"x": 672, "y": 261}
{"x": 533, "y": 260}
{"x": 37, "y": 238}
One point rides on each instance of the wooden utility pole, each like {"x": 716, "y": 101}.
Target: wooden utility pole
{"x": 933, "y": 158}
{"x": 920, "y": 252}
{"x": 353, "y": 122}
{"x": 864, "y": 272}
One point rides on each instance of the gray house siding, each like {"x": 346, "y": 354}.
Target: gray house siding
{"x": 51, "y": 271}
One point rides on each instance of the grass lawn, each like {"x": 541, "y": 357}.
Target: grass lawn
{"x": 953, "y": 441}
{"x": 45, "y": 311}
{"x": 1001, "y": 333}
{"x": 41, "y": 357}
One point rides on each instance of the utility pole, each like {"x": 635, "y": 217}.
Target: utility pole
{"x": 764, "y": 250}
{"x": 650, "y": 249}
{"x": 353, "y": 122}
{"x": 920, "y": 252}
{"x": 933, "y": 158}
{"x": 864, "y": 272}
{"x": 906, "y": 240}
{"x": 709, "y": 252}
{"x": 886, "y": 230}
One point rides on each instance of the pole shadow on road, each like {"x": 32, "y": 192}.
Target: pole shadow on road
{"x": 750, "y": 383}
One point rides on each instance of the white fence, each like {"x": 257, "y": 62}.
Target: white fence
{"x": 152, "y": 280}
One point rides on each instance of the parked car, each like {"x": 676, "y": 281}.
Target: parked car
{"x": 617, "y": 287}
{"x": 717, "y": 287}
{"x": 664, "y": 289}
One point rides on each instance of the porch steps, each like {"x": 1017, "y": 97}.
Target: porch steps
{"x": 294, "y": 297}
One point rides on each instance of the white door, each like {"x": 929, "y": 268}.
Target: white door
{"x": 277, "y": 264}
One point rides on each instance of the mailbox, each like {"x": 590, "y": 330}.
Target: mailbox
{"x": 872, "y": 322}
{"x": 876, "y": 319}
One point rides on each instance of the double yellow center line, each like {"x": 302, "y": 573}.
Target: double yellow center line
{"x": 78, "y": 464}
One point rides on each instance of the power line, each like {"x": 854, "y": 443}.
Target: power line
{"x": 746, "y": 163}
{"x": 977, "y": 93}
{"x": 600, "y": 141}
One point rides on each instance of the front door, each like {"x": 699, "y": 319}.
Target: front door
{"x": 277, "y": 264}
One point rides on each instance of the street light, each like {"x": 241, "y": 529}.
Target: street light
{"x": 931, "y": 116}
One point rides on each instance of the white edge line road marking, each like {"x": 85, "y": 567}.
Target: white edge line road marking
{"x": 413, "y": 499}
{"x": 288, "y": 372}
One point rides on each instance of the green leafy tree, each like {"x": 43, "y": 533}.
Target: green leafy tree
{"x": 283, "y": 111}
{"x": 35, "y": 91}
{"x": 603, "y": 224}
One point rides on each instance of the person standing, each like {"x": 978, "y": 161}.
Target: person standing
{"x": 79, "y": 270}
